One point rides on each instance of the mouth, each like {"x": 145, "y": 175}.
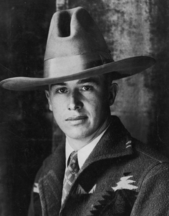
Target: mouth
{"x": 76, "y": 118}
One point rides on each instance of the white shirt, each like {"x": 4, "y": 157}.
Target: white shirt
{"x": 84, "y": 152}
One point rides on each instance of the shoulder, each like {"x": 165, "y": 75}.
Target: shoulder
{"x": 147, "y": 154}
{"x": 147, "y": 163}
{"x": 151, "y": 177}
{"x": 54, "y": 161}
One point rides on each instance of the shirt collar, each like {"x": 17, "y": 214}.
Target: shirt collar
{"x": 84, "y": 152}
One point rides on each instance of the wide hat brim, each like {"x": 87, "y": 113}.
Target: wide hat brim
{"x": 119, "y": 69}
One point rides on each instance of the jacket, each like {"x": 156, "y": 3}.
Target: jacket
{"x": 121, "y": 176}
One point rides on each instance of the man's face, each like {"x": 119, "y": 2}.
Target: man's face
{"x": 80, "y": 107}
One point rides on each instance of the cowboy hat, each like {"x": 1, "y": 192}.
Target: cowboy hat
{"x": 75, "y": 50}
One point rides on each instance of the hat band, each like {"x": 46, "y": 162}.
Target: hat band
{"x": 70, "y": 65}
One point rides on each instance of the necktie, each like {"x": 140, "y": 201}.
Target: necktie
{"x": 70, "y": 174}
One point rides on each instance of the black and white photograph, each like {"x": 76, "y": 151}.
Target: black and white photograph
{"x": 84, "y": 108}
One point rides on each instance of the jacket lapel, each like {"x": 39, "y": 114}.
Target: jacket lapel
{"x": 50, "y": 185}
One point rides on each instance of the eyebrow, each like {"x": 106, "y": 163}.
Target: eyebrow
{"x": 58, "y": 84}
{"x": 90, "y": 80}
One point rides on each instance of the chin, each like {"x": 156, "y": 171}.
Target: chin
{"x": 78, "y": 134}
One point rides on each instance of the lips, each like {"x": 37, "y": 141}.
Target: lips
{"x": 76, "y": 118}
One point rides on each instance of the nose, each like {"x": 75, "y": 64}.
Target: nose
{"x": 75, "y": 102}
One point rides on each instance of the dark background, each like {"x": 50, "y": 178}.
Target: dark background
{"x": 27, "y": 132}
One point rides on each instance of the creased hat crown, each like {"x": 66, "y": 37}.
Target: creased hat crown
{"x": 74, "y": 43}
{"x": 73, "y": 32}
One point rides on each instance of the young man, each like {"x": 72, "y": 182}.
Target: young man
{"x": 101, "y": 169}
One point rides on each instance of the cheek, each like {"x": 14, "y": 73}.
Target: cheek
{"x": 96, "y": 105}
{"x": 58, "y": 108}
{"x": 57, "y": 102}
{"x": 101, "y": 104}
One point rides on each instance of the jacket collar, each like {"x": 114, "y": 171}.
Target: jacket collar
{"x": 115, "y": 144}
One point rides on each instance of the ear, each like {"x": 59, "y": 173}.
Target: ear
{"x": 48, "y": 98}
{"x": 112, "y": 92}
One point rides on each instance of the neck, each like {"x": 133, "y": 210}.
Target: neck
{"x": 77, "y": 144}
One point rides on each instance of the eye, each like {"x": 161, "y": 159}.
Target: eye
{"x": 87, "y": 88}
{"x": 62, "y": 90}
